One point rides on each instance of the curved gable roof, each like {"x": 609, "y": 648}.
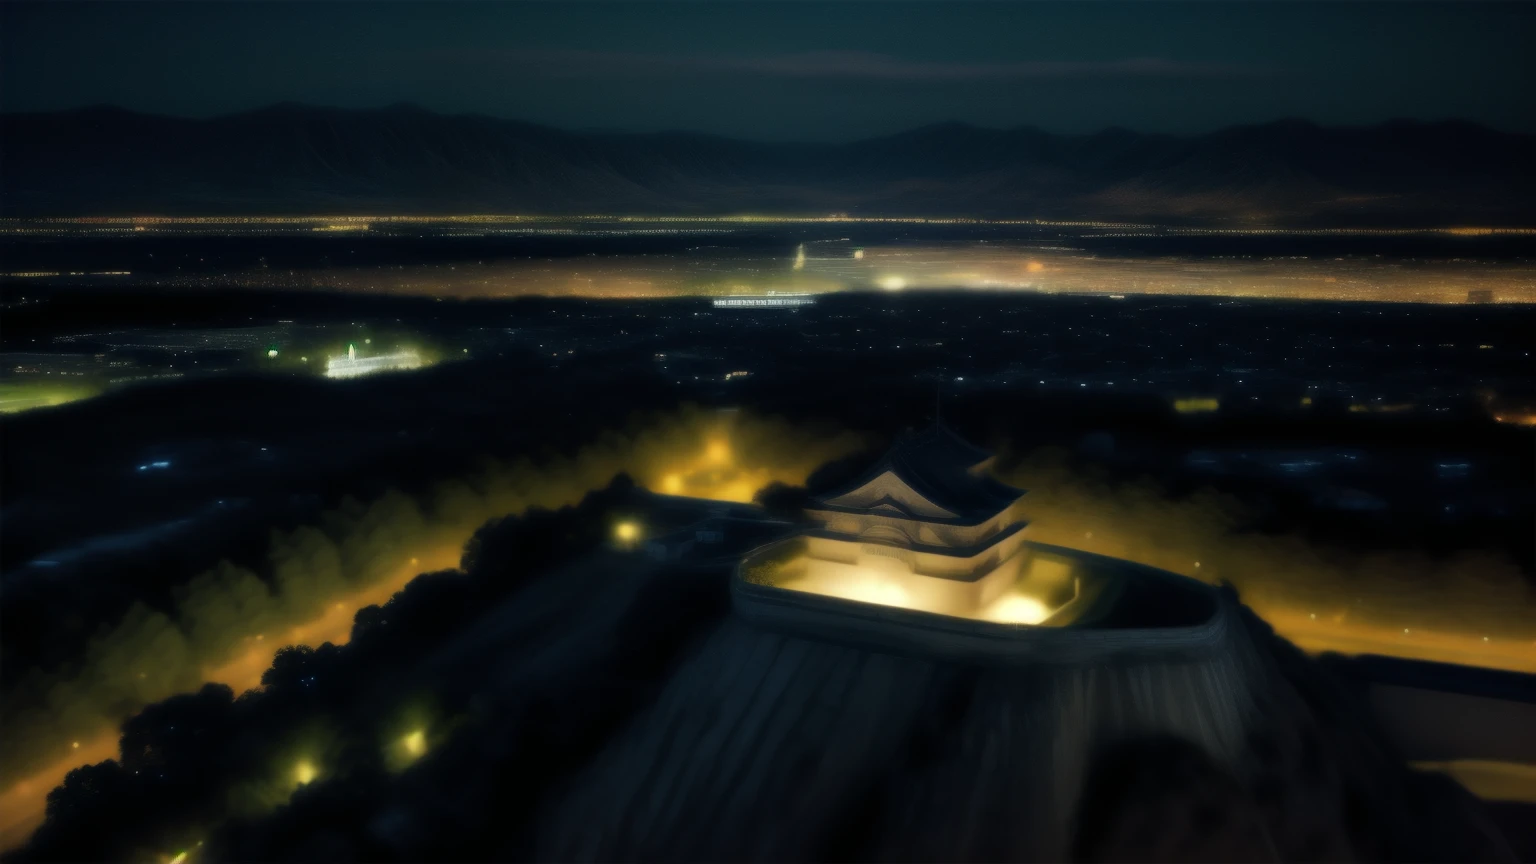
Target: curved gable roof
{"x": 936, "y": 465}
{"x": 889, "y": 490}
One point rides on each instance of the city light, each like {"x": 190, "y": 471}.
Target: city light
{"x": 415, "y": 743}
{"x": 1199, "y": 405}
{"x": 304, "y": 772}
{"x": 353, "y": 366}
{"x": 1001, "y": 265}
{"x": 26, "y": 395}
{"x": 767, "y": 301}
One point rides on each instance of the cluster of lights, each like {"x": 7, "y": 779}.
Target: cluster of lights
{"x": 353, "y": 366}
{"x": 764, "y": 301}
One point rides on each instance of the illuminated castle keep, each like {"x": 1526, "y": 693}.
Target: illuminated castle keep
{"x": 927, "y": 528}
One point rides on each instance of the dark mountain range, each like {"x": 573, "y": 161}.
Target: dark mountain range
{"x": 403, "y": 159}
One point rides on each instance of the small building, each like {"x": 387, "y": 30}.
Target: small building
{"x": 765, "y": 301}
{"x": 928, "y": 528}
{"x": 353, "y": 366}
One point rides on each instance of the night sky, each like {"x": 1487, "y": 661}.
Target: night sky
{"x": 790, "y": 70}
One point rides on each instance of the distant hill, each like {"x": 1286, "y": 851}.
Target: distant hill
{"x": 403, "y": 159}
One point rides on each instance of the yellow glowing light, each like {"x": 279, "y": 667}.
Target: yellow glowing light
{"x": 1017, "y": 609}
{"x": 180, "y": 858}
{"x": 718, "y": 451}
{"x": 626, "y": 532}
{"x": 75, "y": 746}
{"x": 1391, "y": 408}
{"x": 1196, "y": 406}
{"x": 672, "y": 484}
{"x": 304, "y": 772}
{"x": 878, "y": 592}
{"x": 1034, "y": 267}
{"x": 1489, "y": 779}
{"x": 415, "y": 743}
{"x": 27, "y": 395}
{"x": 1325, "y": 633}
{"x": 1514, "y": 418}
{"x": 271, "y": 352}
{"x": 893, "y": 283}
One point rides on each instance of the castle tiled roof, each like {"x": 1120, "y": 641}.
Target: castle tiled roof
{"x": 940, "y": 466}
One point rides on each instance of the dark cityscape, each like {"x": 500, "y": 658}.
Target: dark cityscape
{"x": 973, "y": 464}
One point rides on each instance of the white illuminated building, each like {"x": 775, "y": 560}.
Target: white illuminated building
{"x": 764, "y": 301}
{"x": 353, "y": 366}
{"x": 928, "y": 528}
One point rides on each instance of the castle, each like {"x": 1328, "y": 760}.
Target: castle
{"x": 927, "y": 528}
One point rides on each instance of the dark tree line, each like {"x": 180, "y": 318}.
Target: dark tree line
{"x": 199, "y": 761}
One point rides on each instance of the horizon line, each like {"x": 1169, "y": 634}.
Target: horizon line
{"x": 404, "y": 106}
{"x": 362, "y": 220}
